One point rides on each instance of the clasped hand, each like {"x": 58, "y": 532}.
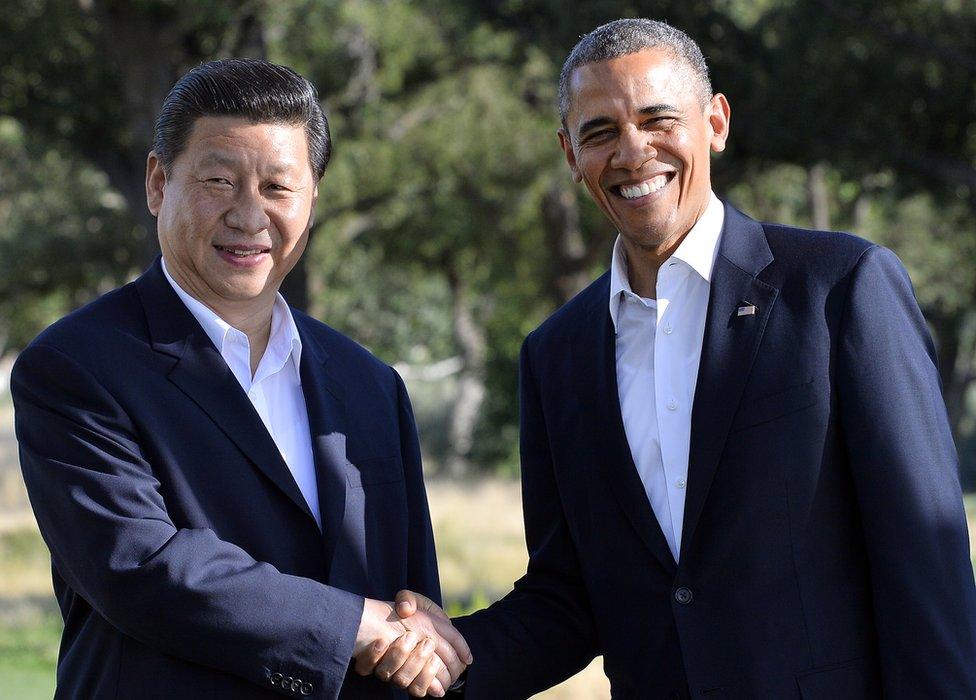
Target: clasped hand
{"x": 411, "y": 645}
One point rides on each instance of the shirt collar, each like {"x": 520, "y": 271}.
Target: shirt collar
{"x": 283, "y": 342}
{"x": 698, "y": 250}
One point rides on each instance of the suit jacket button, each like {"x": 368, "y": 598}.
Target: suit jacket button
{"x": 296, "y": 685}
{"x": 306, "y": 689}
{"x": 684, "y": 596}
{"x": 276, "y": 678}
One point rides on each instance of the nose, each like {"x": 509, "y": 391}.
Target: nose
{"x": 634, "y": 148}
{"x": 248, "y": 213}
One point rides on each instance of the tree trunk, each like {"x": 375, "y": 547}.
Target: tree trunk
{"x": 955, "y": 338}
{"x": 570, "y": 257}
{"x": 471, "y": 339}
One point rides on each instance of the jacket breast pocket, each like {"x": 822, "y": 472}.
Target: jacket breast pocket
{"x": 375, "y": 470}
{"x": 766, "y": 409}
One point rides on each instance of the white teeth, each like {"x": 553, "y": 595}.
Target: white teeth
{"x": 240, "y": 253}
{"x": 643, "y": 188}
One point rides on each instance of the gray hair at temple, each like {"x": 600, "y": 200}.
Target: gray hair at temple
{"x": 626, "y": 36}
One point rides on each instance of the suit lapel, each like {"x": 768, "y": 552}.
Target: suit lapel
{"x": 597, "y": 378}
{"x": 342, "y": 508}
{"x": 201, "y": 373}
{"x": 729, "y": 349}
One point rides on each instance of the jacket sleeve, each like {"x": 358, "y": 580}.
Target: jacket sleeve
{"x": 421, "y": 557}
{"x": 542, "y": 632}
{"x": 905, "y": 471}
{"x": 184, "y": 591}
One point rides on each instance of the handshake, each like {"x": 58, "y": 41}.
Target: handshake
{"x": 411, "y": 644}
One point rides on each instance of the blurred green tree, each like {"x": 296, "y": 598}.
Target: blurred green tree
{"x": 448, "y": 224}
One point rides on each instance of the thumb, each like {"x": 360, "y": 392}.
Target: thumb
{"x": 406, "y": 603}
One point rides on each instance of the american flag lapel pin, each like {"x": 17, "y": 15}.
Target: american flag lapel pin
{"x": 747, "y": 310}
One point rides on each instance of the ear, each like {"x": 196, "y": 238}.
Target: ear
{"x": 719, "y": 114}
{"x": 155, "y": 183}
{"x": 566, "y": 143}
{"x": 315, "y": 199}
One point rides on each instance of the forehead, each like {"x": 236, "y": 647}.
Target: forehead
{"x": 240, "y": 139}
{"x": 630, "y": 82}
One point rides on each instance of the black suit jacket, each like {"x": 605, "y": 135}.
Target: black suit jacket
{"x": 186, "y": 561}
{"x": 824, "y": 552}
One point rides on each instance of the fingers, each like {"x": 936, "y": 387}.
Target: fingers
{"x": 406, "y": 603}
{"x": 410, "y": 663}
{"x": 366, "y": 661}
{"x": 420, "y": 671}
{"x": 450, "y": 634}
{"x": 396, "y": 655}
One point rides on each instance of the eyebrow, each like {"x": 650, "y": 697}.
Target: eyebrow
{"x": 597, "y": 122}
{"x": 217, "y": 158}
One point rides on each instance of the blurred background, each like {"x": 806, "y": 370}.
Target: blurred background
{"x": 448, "y": 225}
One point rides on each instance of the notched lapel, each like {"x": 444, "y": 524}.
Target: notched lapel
{"x": 731, "y": 340}
{"x": 342, "y": 507}
{"x": 201, "y": 373}
{"x": 617, "y": 462}
{"x": 203, "y": 376}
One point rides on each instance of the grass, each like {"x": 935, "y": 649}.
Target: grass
{"x": 28, "y": 653}
{"x": 30, "y": 626}
{"x": 478, "y": 528}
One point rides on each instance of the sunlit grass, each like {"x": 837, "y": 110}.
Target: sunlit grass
{"x": 478, "y": 529}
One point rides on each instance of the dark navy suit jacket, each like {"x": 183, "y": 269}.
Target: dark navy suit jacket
{"x": 824, "y": 552}
{"x": 186, "y": 562}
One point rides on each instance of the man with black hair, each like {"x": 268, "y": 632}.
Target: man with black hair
{"x": 230, "y": 490}
{"x": 738, "y": 476}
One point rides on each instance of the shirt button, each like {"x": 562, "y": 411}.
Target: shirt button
{"x": 683, "y": 596}
{"x": 668, "y": 330}
{"x": 680, "y": 483}
{"x": 672, "y": 405}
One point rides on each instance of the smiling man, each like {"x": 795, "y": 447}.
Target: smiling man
{"x": 230, "y": 490}
{"x": 738, "y": 476}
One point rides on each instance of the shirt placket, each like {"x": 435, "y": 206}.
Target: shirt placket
{"x": 668, "y": 383}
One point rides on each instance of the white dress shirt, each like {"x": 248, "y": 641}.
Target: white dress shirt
{"x": 275, "y": 390}
{"x": 659, "y": 343}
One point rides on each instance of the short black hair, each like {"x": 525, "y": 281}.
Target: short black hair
{"x": 258, "y": 90}
{"x": 623, "y": 37}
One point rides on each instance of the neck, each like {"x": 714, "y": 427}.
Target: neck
{"x": 644, "y": 261}
{"x": 250, "y": 316}
{"x": 254, "y": 321}
{"x": 643, "y": 264}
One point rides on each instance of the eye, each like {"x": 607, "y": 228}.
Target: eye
{"x": 597, "y": 136}
{"x": 660, "y": 122}
{"x": 219, "y": 181}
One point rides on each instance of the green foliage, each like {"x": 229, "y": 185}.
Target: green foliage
{"x": 66, "y": 236}
{"x": 443, "y": 116}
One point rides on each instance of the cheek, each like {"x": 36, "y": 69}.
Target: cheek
{"x": 198, "y": 214}
{"x": 591, "y": 170}
{"x": 291, "y": 221}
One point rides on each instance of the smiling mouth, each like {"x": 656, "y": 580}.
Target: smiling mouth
{"x": 243, "y": 251}
{"x": 643, "y": 188}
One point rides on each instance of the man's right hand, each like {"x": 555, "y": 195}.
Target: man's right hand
{"x": 424, "y": 655}
{"x": 409, "y": 661}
